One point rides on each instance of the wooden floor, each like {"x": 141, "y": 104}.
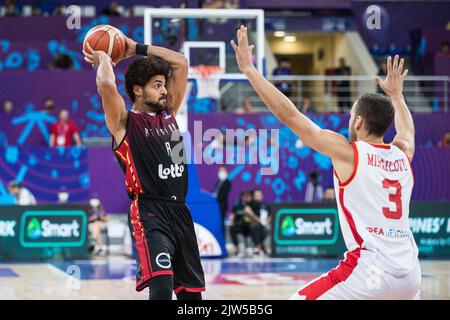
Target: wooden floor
{"x": 113, "y": 278}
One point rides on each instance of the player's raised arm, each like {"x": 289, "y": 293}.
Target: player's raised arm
{"x": 179, "y": 66}
{"x": 327, "y": 142}
{"x": 113, "y": 103}
{"x": 393, "y": 87}
{"x": 176, "y": 84}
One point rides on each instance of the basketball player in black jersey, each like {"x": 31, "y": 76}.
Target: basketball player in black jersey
{"x": 161, "y": 225}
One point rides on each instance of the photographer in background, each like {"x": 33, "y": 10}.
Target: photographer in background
{"x": 97, "y": 225}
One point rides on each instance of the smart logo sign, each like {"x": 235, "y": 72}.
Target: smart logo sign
{"x": 53, "y": 228}
{"x": 306, "y": 226}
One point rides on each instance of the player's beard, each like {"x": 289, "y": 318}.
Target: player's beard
{"x": 155, "y": 106}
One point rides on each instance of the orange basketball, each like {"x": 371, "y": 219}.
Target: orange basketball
{"x": 106, "y": 38}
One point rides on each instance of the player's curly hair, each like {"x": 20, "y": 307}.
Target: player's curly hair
{"x": 140, "y": 71}
{"x": 377, "y": 112}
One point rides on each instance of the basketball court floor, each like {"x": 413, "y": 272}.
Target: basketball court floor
{"x": 229, "y": 279}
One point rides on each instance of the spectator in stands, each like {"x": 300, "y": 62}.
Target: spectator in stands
{"x": 8, "y": 107}
{"x": 97, "y": 224}
{"x": 49, "y": 106}
{"x": 112, "y": 10}
{"x": 63, "y": 196}
{"x": 221, "y": 191}
{"x": 329, "y": 195}
{"x": 260, "y": 221}
{"x": 46, "y": 7}
{"x": 284, "y": 69}
{"x": 314, "y": 190}
{"x": 307, "y": 106}
{"x": 62, "y": 61}
{"x": 11, "y": 9}
{"x": 58, "y": 12}
{"x": 445, "y": 142}
{"x": 343, "y": 86}
{"x": 240, "y": 220}
{"x": 445, "y": 50}
{"x": 22, "y": 196}
{"x": 247, "y": 108}
{"x": 63, "y": 131}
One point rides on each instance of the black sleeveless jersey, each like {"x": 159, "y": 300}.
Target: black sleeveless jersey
{"x": 153, "y": 164}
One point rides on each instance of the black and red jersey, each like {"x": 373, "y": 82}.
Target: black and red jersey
{"x": 152, "y": 156}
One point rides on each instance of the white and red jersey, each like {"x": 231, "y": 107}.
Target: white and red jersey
{"x": 373, "y": 206}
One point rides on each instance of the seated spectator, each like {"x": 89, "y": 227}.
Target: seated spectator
{"x": 63, "y": 131}
{"x": 62, "y": 61}
{"x": 111, "y": 10}
{"x": 58, "y": 11}
{"x": 63, "y": 196}
{"x": 240, "y": 220}
{"x": 445, "y": 50}
{"x": 314, "y": 191}
{"x": 49, "y": 106}
{"x": 329, "y": 196}
{"x": 46, "y": 7}
{"x": 8, "y": 107}
{"x": 22, "y": 196}
{"x": 260, "y": 221}
{"x": 11, "y": 9}
{"x": 284, "y": 69}
{"x": 97, "y": 224}
{"x": 307, "y": 106}
{"x": 445, "y": 142}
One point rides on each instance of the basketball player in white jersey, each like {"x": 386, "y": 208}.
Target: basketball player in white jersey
{"x": 373, "y": 185}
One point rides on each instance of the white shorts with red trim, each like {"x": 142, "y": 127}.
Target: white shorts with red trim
{"x": 357, "y": 277}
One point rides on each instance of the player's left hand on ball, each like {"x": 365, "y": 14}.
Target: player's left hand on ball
{"x": 130, "y": 49}
{"x": 243, "y": 50}
{"x": 95, "y": 57}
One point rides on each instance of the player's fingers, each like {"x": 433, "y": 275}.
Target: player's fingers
{"x": 233, "y": 45}
{"x": 90, "y": 61}
{"x": 252, "y": 47}
{"x": 400, "y": 65}
{"x": 245, "y": 36}
{"x": 389, "y": 65}
{"x": 395, "y": 64}
{"x": 405, "y": 73}
{"x": 89, "y": 48}
{"x": 87, "y": 55}
{"x": 377, "y": 80}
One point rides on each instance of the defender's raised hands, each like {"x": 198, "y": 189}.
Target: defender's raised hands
{"x": 393, "y": 84}
{"x": 243, "y": 51}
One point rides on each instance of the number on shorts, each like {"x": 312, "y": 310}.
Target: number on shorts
{"x": 395, "y": 198}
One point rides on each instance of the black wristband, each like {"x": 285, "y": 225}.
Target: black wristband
{"x": 141, "y": 49}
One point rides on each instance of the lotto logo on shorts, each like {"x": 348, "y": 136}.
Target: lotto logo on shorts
{"x": 163, "y": 260}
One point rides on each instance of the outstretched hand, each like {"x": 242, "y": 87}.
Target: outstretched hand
{"x": 393, "y": 84}
{"x": 243, "y": 51}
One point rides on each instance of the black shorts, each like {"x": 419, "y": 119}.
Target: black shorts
{"x": 165, "y": 243}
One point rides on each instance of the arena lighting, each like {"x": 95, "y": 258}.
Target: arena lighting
{"x": 279, "y": 34}
{"x": 290, "y": 38}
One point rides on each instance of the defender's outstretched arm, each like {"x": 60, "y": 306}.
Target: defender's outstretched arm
{"x": 393, "y": 87}
{"x": 327, "y": 142}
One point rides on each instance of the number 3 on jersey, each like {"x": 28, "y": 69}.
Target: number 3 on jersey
{"x": 393, "y": 197}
